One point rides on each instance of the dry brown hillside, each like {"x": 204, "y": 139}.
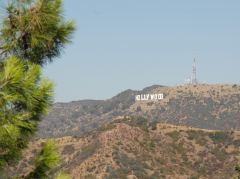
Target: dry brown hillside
{"x": 215, "y": 107}
{"x": 134, "y": 148}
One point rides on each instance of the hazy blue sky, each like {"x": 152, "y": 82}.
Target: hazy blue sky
{"x": 131, "y": 44}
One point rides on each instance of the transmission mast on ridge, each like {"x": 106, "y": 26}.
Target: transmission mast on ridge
{"x": 194, "y": 80}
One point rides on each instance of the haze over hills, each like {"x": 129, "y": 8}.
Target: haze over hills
{"x": 215, "y": 107}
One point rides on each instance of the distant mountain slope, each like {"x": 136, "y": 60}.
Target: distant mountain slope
{"x": 135, "y": 148}
{"x": 201, "y": 106}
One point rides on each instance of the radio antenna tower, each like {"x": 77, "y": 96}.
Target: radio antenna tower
{"x": 194, "y": 80}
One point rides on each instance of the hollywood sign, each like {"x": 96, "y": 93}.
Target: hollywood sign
{"x": 149, "y": 97}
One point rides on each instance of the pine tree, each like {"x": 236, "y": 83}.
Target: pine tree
{"x": 45, "y": 161}
{"x": 24, "y": 97}
{"x": 35, "y": 30}
{"x": 32, "y": 34}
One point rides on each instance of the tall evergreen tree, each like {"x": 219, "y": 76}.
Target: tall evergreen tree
{"x": 32, "y": 34}
{"x": 24, "y": 97}
{"x": 35, "y": 30}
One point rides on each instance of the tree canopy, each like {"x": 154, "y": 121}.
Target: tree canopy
{"x": 24, "y": 97}
{"x": 32, "y": 33}
{"x": 47, "y": 159}
{"x": 35, "y": 30}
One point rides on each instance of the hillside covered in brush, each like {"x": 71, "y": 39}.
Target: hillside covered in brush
{"x": 215, "y": 107}
{"x": 134, "y": 148}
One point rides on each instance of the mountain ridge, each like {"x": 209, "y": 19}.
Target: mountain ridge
{"x": 202, "y": 106}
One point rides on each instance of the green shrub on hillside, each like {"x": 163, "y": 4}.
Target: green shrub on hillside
{"x": 220, "y": 137}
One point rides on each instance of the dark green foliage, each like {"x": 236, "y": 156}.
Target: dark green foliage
{"x": 107, "y": 127}
{"x": 35, "y": 30}
{"x": 24, "y": 97}
{"x": 137, "y": 121}
{"x": 178, "y": 148}
{"x": 46, "y": 162}
{"x": 88, "y": 150}
{"x": 153, "y": 125}
{"x": 220, "y": 154}
{"x": 32, "y": 33}
{"x": 194, "y": 177}
{"x": 84, "y": 154}
{"x": 198, "y": 136}
{"x": 192, "y": 134}
{"x": 236, "y": 142}
{"x": 47, "y": 159}
{"x": 174, "y": 135}
{"x": 90, "y": 177}
{"x": 237, "y": 169}
{"x": 234, "y": 86}
{"x": 220, "y": 137}
{"x": 127, "y": 166}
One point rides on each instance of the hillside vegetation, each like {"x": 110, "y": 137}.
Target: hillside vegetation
{"x": 131, "y": 147}
{"x": 215, "y": 107}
